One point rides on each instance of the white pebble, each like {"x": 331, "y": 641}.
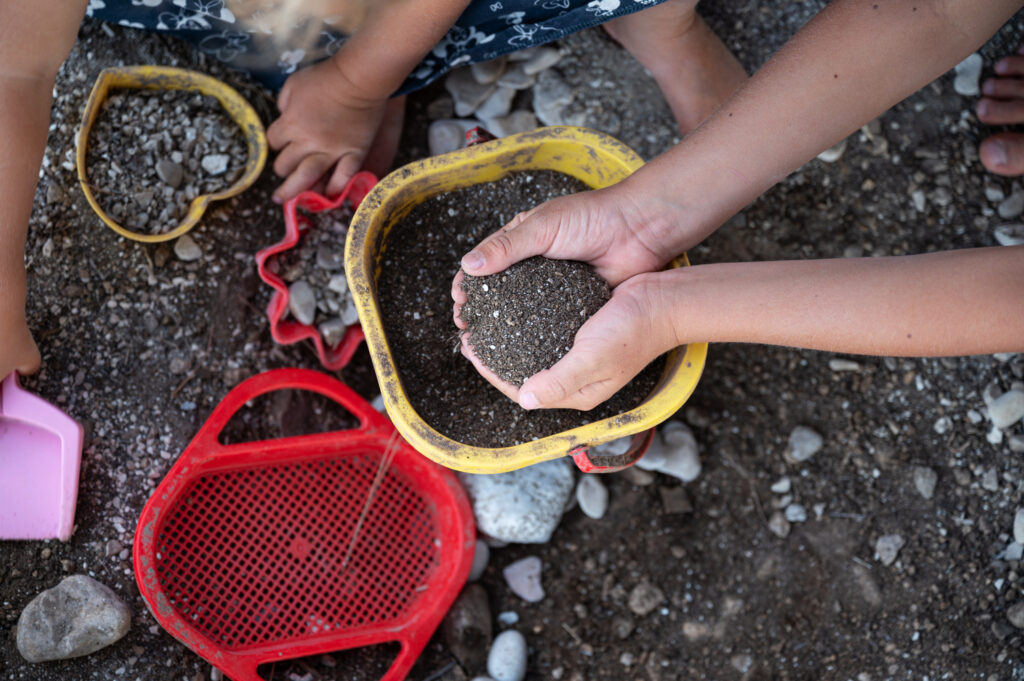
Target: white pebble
{"x": 1010, "y": 235}
{"x": 1018, "y": 526}
{"x": 523, "y": 577}
{"x": 215, "y": 164}
{"x": 507, "y": 659}
{"x": 967, "y": 74}
{"x": 783, "y": 485}
{"x": 592, "y": 496}
{"x": 888, "y": 547}
{"x": 508, "y": 618}
{"x": 803, "y": 444}
{"x": 843, "y": 365}
{"x": 925, "y": 480}
{"x": 1014, "y": 551}
{"x": 481, "y": 556}
{"x": 795, "y": 513}
{"x": 833, "y": 153}
{"x": 1007, "y": 409}
{"x": 187, "y": 249}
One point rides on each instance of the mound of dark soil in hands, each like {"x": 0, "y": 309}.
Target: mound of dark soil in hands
{"x": 524, "y": 320}
{"x": 420, "y": 260}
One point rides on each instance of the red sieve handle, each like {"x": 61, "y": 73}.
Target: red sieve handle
{"x": 285, "y": 379}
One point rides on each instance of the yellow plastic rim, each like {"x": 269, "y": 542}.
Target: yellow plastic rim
{"x": 594, "y": 158}
{"x": 169, "y": 78}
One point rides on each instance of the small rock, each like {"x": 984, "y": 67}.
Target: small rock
{"x": 514, "y": 123}
{"x": 622, "y": 627}
{"x": 1018, "y": 526}
{"x": 795, "y": 513}
{"x": 742, "y": 663}
{"x": 833, "y": 153}
{"x": 486, "y": 72}
{"x": 497, "y": 105}
{"x": 592, "y": 496}
{"x": 925, "y": 480}
{"x": 330, "y": 257}
{"x": 545, "y": 58}
{"x": 843, "y": 364}
{"x": 448, "y": 135}
{"x": 507, "y": 618}
{"x": 803, "y": 444}
{"x": 990, "y": 480}
{"x": 888, "y": 546}
{"x": 77, "y": 617}
{"x": 1007, "y": 409}
{"x": 507, "y": 659}
{"x": 466, "y": 92}
{"x": 943, "y": 425}
{"x": 332, "y": 331}
{"x": 694, "y": 632}
{"x": 1012, "y": 206}
{"x": 616, "y": 447}
{"x": 522, "y": 506}
{"x": 644, "y": 598}
{"x": 675, "y": 500}
{"x": 481, "y": 556}
{"x": 338, "y": 283}
{"x": 523, "y": 577}
{"x": 638, "y": 476}
{"x": 551, "y": 95}
{"x": 215, "y": 164}
{"x": 1010, "y": 235}
{"x": 1016, "y": 443}
{"x": 113, "y": 548}
{"x": 783, "y": 485}
{"x": 967, "y": 74}
{"x": 170, "y": 173}
{"x": 1015, "y": 614}
{"x": 350, "y": 315}
{"x": 517, "y": 79}
{"x": 302, "y": 302}
{"x": 917, "y": 196}
{"x": 674, "y": 452}
{"x": 1014, "y": 551}
{"x": 187, "y": 249}
{"x": 467, "y": 627}
{"x": 778, "y": 525}
{"x": 442, "y": 107}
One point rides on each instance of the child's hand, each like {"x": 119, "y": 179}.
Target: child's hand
{"x": 326, "y": 129}
{"x": 18, "y": 351}
{"x": 610, "y": 349}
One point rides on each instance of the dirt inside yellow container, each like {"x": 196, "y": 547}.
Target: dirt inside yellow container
{"x": 171, "y": 78}
{"x": 595, "y": 159}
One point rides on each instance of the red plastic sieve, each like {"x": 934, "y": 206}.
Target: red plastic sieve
{"x": 285, "y": 331}
{"x": 264, "y": 551}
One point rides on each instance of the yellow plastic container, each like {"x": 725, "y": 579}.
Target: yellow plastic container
{"x": 593, "y": 158}
{"x": 169, "y": 78}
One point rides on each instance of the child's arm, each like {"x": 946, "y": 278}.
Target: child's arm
{"x": 953, "y": 303}
{"x": 35, "y": 37}
{"x": 331, "y": 112}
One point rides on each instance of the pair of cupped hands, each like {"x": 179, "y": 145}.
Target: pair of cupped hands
{"x": 326, "y": 134}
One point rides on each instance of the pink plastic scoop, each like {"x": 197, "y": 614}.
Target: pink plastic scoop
{"x": 40, "y": 455}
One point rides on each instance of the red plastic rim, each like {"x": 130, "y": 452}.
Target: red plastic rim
{"x": 288, "y": 331}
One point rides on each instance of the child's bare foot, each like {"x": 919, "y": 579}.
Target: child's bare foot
{"x": 1002, "y": 103}
{"x": 694, "y": 69}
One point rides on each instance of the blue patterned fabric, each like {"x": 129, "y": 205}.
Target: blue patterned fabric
{"x": 487, "y": 29}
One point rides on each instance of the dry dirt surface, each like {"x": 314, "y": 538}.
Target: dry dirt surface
{"x": 139, "y": 346}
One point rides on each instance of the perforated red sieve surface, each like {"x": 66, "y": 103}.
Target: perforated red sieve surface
{"x": 256, "y": 555}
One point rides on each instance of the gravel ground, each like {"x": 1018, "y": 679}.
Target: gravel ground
{"x": 140, "y": 346}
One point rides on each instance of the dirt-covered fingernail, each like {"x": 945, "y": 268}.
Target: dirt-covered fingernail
{"x": 473, "y": 261}
{"x": 528, "y": 401}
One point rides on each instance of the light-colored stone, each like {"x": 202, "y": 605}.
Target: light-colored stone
{"x": 967, "y": 74}
{"x": 302, "y": 302}
{"x": 592, "y": 496}
{"x": 507, "y": 658}
{"x": 1012, "y": 206}
{"x": 497, "y": 105}
{"x": 486, "y": 72}
{"x": 795, "y": 513}
{"x": 782, "y": 485}
{"x": 839, "y": 364}
{"x": 551, "y": 95}
{"x": 833, "y": 153}
{"x": 448, "y": 134}
{"x": 1007, "y": 409}
{"x": 481, "y": 556}
{"x": 77, "y": 617}
{"x": 1010, "y": 235}
{"x": 673, "y": 451}
{"x": 778, "y": 524}
{"x": 1015, "y": 614}
{"x": 517, "y": 79}
{"x": 888, "y": 547}
{"x": 215, "y": 164}
{"x": 803, "y": 444}
{"x": 925, "y": 480}
{"x": 1018, "y": 526}
{"x": 545, "y": 58}
{"x": 170, "y": 173}
{"x": 523, "y": 506}
{"x": 466, "y": 92}
{"x": 523, "y": 578}
{"x": 332, "y": 331}
{"x": 186, "y": 249}
{"x": 644, "y": 598}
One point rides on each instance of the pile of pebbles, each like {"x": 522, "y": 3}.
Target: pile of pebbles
{"x": 152, "y": 151}
{"x": 318, "y": 293}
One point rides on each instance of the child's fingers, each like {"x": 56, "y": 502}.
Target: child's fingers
{"x": 507, "y": 389}
{"x": 277, "y": 135}
{"x": 289, "y": 159}
{"x": 1009, "y": 66}
{"x": 996, "y": 112}
{"x": 1003, "y": 88}
{"x": 303, "y": 177}
{"x": 347, "y": 166}
{"x": 459, "y": 296}
{"x": 528, "y": 234}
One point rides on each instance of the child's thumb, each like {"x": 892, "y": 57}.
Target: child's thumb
{"x": 527, "y": 235}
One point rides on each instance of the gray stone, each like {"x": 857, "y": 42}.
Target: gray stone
{"x": 778, "y": 525}
{"x": 517, "y": 79}
{"x": 338, "y": 283}
{"x": 644, "y": 598}
{"x": 523, "y": 578}
{"x": 1007, "y": 409}
{"x": 481, "y": 556}
{"x": 1016, "y": 443}
{"x": 351, "y": 314}
{"x": 1018, "y": 526}
{"x": 839, "y": 364}
{"x": 925, "y": 480}
{"x": 522, "y": 506}
{"x": 215, "y": 164}
{"x": 332, "y": 331}
{"x": 1015, "y": 614}
{"x": 795, "y": 513}
{"x": 170, "y": 173}
{"x": 77, "y": 617}
{"x": 592, "y": 496}
{"x": 1010, "y": 235}
{"x": 1012, "y": 206}
{"x": 833, "y": 153}
{"x": 302, "y": 302}
{"x": 803, "y": 444}
{"x": 330, "y": 256}
{"x": 1014, "y": 551}
{"x": 551, "y": 95}
{"x": 442, "y": 107}
{"x": 497, "y": 105}
{"x": 486, "y": 72}
{"x": 967, "y": 74}
{"x": 467, "y": 627}
{"x": 507, "y": 618}
{"x": 616, "y": 447}
{"x": 888, "y": 547}
{"x": 507, "y": 658}
{"x": 674, "y": 452}
{"x": 448, "y": 135}
{"x": 783, "y": 485}
{"x": 990, "y": 480}
{"x": 545, "y": 58}
{"x": 187, "y": 249}
{"x": 466, "y": 92}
